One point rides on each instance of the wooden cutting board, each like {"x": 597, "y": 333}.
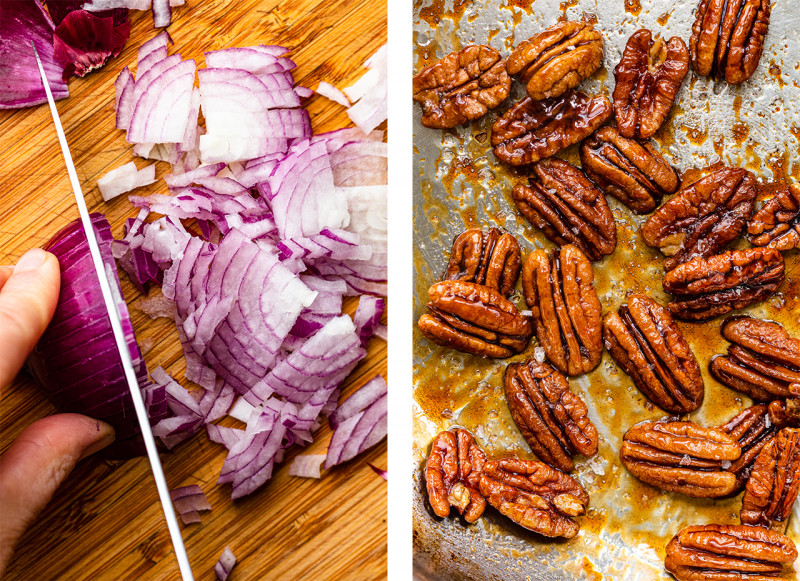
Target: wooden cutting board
{"x": 105, "y": 523}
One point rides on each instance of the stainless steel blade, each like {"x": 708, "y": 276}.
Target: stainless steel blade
{"x": 116, "y": 325}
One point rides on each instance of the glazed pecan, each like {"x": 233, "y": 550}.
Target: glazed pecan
{"x": 532, "y": 130}
{"x": 681, "y": 457}
{"x": 728, "y": 38}
{"x": 647, "y": 80}
{"x": 703, "y": 217}
{"x": 632, "y": 171}
{"x": 461, "y": 87}
{"x": 753, "y": 428}
{"x": 645, "y": 341}
{"x": 560, "y": 293}
{"x": 728, "y": 553}
{"x": 488, "y": 257}
{"x": 763, "y": 360}
{"x": 534, "y": 496}
{"x": 453, "y": 473}
{"x": 786, "y": 412}
{"x": 774, "y": 483}
{"x": 553, "y": 420}
{"x": 557, "y": 59}
{"x": 562, "y": 202}
{"x": 777, "y": 223}
{"x": 474, "y": 318}
{"x": 707, "y": 287}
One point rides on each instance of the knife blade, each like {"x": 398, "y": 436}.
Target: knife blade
{"x": 119, "y": 337}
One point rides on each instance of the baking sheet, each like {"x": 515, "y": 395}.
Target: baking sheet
{"x": 459, "y": 184}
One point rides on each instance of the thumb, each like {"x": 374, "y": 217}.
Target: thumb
{"x": 36, "y": 464}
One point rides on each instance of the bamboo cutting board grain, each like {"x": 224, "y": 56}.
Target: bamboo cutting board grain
{"x": 105, "y": 522}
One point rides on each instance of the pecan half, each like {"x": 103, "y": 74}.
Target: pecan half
{"x": 562, "y": 202}
{"x": 647, "y": 80}
{"x": 774, "y": 483}
{"x": 560, "y": 293}
{"x": 777, "y": 223}
{"x": 474, "y": 318}
{"x": 452, "y": 475}
{"x": 632, "y": 171}
{"x": 557, "y": 59}
{"x": 553, "y": 420}
{"x": 681, "y": 457}
{"x": 763, "y": 360}
{"x": 709, "y": 287}
{"x": 728, "y": 38}
{"x": 703, "y": 217}
{"x": 728, "y": 553}
{"x": 488, "y": 257}
{"x": 532, "y": 130}
{"x": 753, "y": 428}
{"x": 786, "y": 412}
{"x": 534, "y": 496}
{"x": 461, "y": 87}
{"x": 645, "y": 341}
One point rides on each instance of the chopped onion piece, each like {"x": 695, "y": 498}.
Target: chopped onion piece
{"x": 364, "y": 397}
{"x": 307, "y": 465}
{"x": 358, "y": 433}
{"x": 368, "y": 316}
{"x": 225, "y": 564}
{"x": 124, "y": 179}
{"x": 189, "y": 501}
{"x": 370, "y": 93}
{"x": 329, "y": 91}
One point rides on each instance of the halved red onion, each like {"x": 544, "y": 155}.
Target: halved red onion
{"x": 76, "y": 361}
{"x": 307, "y": 465}
{"x": 225, "y": 564}
{"x": 23, "y": 22}
{"x": 124, "y": 179}
{"x": 84, "y": 41}
{"x": 189, "y": 501}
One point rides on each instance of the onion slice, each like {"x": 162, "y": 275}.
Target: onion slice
{"x": 225, "y": 564}
{"x": 307, "y": 465}
{"x": 189, "y": 501}
{"x": 361, "y": 430}
{"x": 124, "y": 179}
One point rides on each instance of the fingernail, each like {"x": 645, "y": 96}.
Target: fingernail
{"x": 106, "y": 440}
{"x": 31, "y": 260}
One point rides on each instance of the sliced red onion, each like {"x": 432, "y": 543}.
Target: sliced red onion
{"x": 91, "y": 384}
{"x": 124, "y": 179}
{"x": 368, "y": 316}
{"x": 307, "y": 465}
{"x": 382, "y": 332}
{"x": 330, "y": 92}
{"x": 225, "y": 564}
{"x": 23, "y": 22}
{"x": 225, "y": 436}
{"x": 162, "y": 9}
{"x": 151, "y": 52}
{"x": 189, "y": 501}
{"x": 362, "y": 398}
{"x": 84, "y": 41}
{"x": 358, "y": 433}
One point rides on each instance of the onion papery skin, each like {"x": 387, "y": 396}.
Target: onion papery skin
{"x": 84, "y": 41}
{"x": 76, "y": 362}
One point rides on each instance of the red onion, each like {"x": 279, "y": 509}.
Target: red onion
{"x": 225, "y": 564}
{"x": 359, "y": 425}
{"x": 307, "y": 465}
{"x": 23, "y": 22}
{"x": 84, "y": 41}
{"x": 124, "y": 179}
{"x": 189, "y": 501}
{"x": 76, "y": 361}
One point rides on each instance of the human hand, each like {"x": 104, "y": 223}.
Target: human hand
{"x": 46, "y": 451}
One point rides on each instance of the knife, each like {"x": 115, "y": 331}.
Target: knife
{"x": 122, "y": 347}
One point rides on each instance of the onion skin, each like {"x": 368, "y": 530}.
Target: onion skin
{"x": 76, "y": 362}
